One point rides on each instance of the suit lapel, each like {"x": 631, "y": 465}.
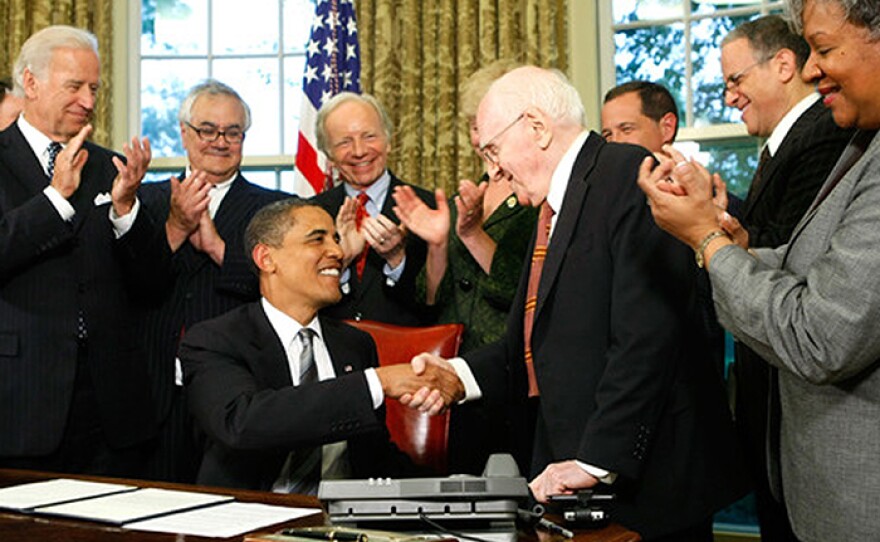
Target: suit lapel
{"x": 270, "y": 358}
{"x": 345, "y": 360}
{"x": 21, "y": 160}
{"x": 567, "y": 218}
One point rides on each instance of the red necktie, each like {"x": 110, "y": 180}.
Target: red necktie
{"x": 540, "y": 252}
{"x": 361, "y": 213}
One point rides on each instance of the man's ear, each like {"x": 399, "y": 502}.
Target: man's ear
{"x": 536, "y": 121}
{"x": 262, "y": 256}
{"x": 29, "y": 82}
{"x": 784, "y": 64}
{"x": 668, "y": 123}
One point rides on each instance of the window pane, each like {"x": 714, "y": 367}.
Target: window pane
{"x": 267, "y": 178}
{"x": 625, "y": 11}
{"x": 287, "y": 181}
{"x": 734, "y": 160}
{"x": 257, "y": 81}
{"x": 708, "y": 81}
{"x": 293, "y": 96}
{"x": 700, "y": 7}
{"x": 298, "y": 15}
{"x": 164, "y": 84}
{"x": 245, "y": 27}
{"x": 174, "y": 27}
{"x": 653, "y": 54}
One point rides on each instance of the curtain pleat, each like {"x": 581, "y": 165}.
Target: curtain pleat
{"x": 415, "y": 54}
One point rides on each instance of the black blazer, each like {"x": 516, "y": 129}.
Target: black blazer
{"x": 371, "y": 298}
{"x": 240, "y": 391}
{"x": 50, "y": 270}
{"x": 792, "y": 177}
{"x": 197, "y": 288}
{"x": 625, "y": 376}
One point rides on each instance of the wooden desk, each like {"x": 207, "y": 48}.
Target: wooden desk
{"x": 16, "y": 527}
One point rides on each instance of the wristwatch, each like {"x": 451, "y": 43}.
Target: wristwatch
{"x": 698, "y": 252}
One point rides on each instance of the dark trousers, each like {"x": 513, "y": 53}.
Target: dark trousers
{"x": 701, "y": 532}
{"x": 84, "y": 448}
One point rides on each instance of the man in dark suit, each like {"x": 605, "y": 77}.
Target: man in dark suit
{"x": 76, "y": 264}
{"x": 285, "y": 397}
{"x": 205, "y": 216}
{"x": 354, "y": 131}
{"x": 762, "y": 61}
{"x": 625, "y": 397}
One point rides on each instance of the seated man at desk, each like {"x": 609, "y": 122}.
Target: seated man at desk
{"x": 285, "y": 397}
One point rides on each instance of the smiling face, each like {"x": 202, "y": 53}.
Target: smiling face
{"x": 220, "y": 159}
{"x": 754, "y": 89}
{"x": 301, "y": 276}
{"x": 844, "y": 65}
{"x": 358, "y": 144}
{"x": 62, "y": 103}
{"x": 624, "y": 122}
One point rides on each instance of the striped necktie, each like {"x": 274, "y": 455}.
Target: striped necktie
{"x": 538, "y": 255}
{"x": 53, "y": 150}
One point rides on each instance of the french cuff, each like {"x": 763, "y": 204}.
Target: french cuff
{"x": 472, "y": 390}
{"x": 392, "y": 276}
{"x": 64, "y": 208}
{"x": 375, "y": 387}
{"x": 600, "y": 474}
{"x": 121, "y": 224}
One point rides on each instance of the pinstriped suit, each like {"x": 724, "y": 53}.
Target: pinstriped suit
{"x": 50, "y": 270}
{"x": 197, "y": 290}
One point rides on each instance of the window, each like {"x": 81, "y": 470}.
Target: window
{"x": 256, "y": 47}
{"x": 676, "y": 43}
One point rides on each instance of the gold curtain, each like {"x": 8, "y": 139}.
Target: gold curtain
{"x": 21, "y": 18}
{"x": 414, "y": 54}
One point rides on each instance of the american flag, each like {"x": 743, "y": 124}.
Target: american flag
{"x": 332, "y": 66}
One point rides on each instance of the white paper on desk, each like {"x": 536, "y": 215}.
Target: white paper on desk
{"x": 134, "y": 505}
{"x": 25, "y": 497}
{"x": 224, "y": 520}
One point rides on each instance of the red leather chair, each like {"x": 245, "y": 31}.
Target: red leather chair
{"x": 424, "y": 438}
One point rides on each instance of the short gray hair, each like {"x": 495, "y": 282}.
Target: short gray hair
{"x": 856, "y": 12}
{"x": 211, "y": 87}
{"x": 342, "y": 98}
{"x": 549, "y": 90}
{"x": 768, "y": 35}
{"x": 270, "y": 224}
{"x": 36, "y": 52}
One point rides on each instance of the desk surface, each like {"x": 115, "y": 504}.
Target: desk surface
{"x": 15, "y": 527}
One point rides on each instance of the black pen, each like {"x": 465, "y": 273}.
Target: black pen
{"x": 339, "y": 536}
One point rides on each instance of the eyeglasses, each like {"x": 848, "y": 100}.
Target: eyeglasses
{"x": 732, "y": 83}
{"x": 210, "y": 134}
{"x": 489, "y": 151}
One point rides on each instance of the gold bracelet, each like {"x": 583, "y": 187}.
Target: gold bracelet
{"x": 698, "y": 252}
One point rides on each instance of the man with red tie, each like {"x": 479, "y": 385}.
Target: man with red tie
{"x": 599, "y": 345}
{"x": 354, "y": 131}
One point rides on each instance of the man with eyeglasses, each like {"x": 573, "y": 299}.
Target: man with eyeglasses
{"x": 378, "y": 281}
{"x": 598, "y": 343}
{"x": 205, "y": 216}
{"x": 762, "y": 61}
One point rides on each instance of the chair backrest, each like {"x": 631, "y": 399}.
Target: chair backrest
{"x": 424, "y": 438}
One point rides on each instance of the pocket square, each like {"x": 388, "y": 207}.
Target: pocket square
{"x": 102, "y": 198}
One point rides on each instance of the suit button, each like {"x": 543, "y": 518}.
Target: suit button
{"x": 465, "y": 285}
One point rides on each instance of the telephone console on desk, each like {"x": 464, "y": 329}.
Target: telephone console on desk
{"x": 460, "y": 502}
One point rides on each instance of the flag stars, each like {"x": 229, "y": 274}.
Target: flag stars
{"x": 330, "y": 47}
{"x": 310, "y": 74}
{"x": 350, "y": 51}
{"x": 312, "y": 48}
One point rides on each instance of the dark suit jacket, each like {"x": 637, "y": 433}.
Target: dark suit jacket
{"x": 371, "y": 298}
{"x": 197, "y": 288}
{"x": 625, "y": 376}
{"x": 50, "y": 270}
{"x": 241, "y": 393}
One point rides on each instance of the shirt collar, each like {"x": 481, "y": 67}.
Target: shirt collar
{"x": 377, "y": 191}
{"x": 37, "y": 140}
{"x": 562, "y": 174}
{"x": 782, "y": 129}
{"x": 286, "y": 327}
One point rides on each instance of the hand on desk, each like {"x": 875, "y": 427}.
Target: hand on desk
{"x": 564, "y": 477}
{"x": 432, "y": 384}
